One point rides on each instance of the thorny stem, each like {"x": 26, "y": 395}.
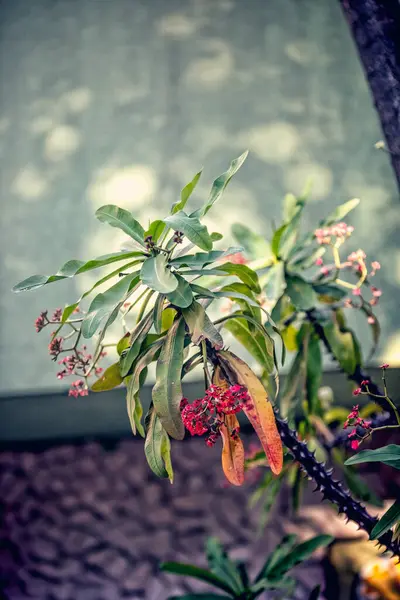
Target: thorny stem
{"x": 207, "y": 378}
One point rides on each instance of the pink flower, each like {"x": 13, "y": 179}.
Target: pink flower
{"x": 354, "y": 444}
{"x": 41, "y": 321}
{"x": 324, "y": 271}
{"x": 57, "y": 315}
{"x": 357, "y": 392}
{"x": 319, "y": 261}
{"x": 371, "y": 320}
{"x": 376, "y": 292}
{"x": 375, "y": 265}
{"x": 352, "y": 433}
{"x": 384, "y": 366}
{"x": 55, "y": 347}
{"x": 356, "y": 292}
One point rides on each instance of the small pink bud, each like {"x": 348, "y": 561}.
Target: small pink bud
{"x": 356, "y": 292}
{"x": 357, "y": 392}
{"x": 375, "y": 265}
{"x": 354, "y": 444}
{"x": 384, "y": 366}
{"x": 371, "y": 320}
{"x": 319, "y": 261}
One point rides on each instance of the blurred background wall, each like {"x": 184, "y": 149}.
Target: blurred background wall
{"x": 122, "y": 101}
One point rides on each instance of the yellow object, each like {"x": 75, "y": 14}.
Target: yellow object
{"x": 381, "y": 580}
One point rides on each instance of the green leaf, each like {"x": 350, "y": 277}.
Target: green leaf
{"x": 201, "y": 259}
{"x": 276, "y": 239}
{"x": 106, "y": 305}
{"x": 123, "y": 344}
{"x": 156, "y": 274}
{"x": 341, "y": 211}
{"x": 375, "y": 328}
{"x": 244, "y": 273}
{"x": 72, "y": 268}
{"x": 110, "y": 379}
{"x": 167, "y": 318}
{"x": 192, "y": 228}
{"x": 122, "y": 219}
{"x": 343, "y": 346}
{"x": 255, "y": 245}
{"x": 136, "y": 339}
{"x": 220, "y": 184}
{"x": 390, "y": 518}
{"x": 186, "y": 193}
{"x": 157, "y": 446}
{"x": 158, "y": 310}
{"x": 287, "y": 543}
{"x": 135, "y": 384}
{"x": 297, "y": 555}
{"x": 300, "y": 292}
{"x": 274, "y": 282}
{"x": 220, "y": 564}
{"x": 389, "y": 455}
{"x": 167, "y": 391}
{"x": 215, "y": 236}
{"x": 289, "y": 207}
{"x": 197, "y": 573}
{"x": 155, "y": 229}
{"x": 329, "y": 291}
{"x": 248, "y": 340}
{"x": 307, "y": 259}
{"x": 200, "y": 325}
{"x": 314, "y": 373}
{"x": 254, "y": 344}
{"x": 182, "y": 296}
{"x": 68, "y": 310}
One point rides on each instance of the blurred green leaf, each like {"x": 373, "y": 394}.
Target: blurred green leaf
{"x": 197, "y": 573}
{"x": 300, "y": 292}
{"x": 274, "y": 283}
{"x": 220, "y": 564}
{"x": 157, "y": 314}
{"x": 244, "y": 273}
{"x": 255, "y": 245}
{"x": 202, "y": 259}
{"x": 343, "y": 346}
{"x": 155, "y": 230}
{"x": 340, "y": 212}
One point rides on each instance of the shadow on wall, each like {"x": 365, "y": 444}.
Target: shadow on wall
{"x": 122, "y": 102}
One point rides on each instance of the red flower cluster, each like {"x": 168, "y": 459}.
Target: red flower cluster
{"x": 55, "y": 347}
{"x": 78, "y": 388}
{"x": 206, "y": 415}
{"x": 41, "y": 321}
{"x": 354, "y": 420}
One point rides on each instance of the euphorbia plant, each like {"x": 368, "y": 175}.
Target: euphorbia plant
{"x": 171, "y": 277}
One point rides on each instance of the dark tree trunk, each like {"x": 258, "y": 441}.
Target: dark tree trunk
{"x": 375, "y": 25}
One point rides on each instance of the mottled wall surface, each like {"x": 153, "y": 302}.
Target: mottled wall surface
{"x": 122, "y": 101}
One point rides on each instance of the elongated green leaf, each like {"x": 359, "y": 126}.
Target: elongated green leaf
{"x": 390, "y": 518}
{"x": 287, "y": 543}
{"x": 274, "y": 283}
{"x": 220, "y": 184}
{"x": 136, "y": 339}
{"x": 106, "y": 305}
{"x": 68, "y": 310}
{"x": 255, "y": 245}
{"x": 135, "y": 383}
{"x": 341, "y": 211}
{"x": 244, "y": 273}
{"x": 167, "y": 391}
{"x": 192, "y": 228}
{"x": 297, "y": 555}
{"x": 156, "y": 274}
{"x": 289, "y": 207}
{"x": 182, "y": 296}
{"x": 186, "y": 193}
{"x": 158, "y": 310}
{"x": 314, "y": 373}
{"x": 72, "y": 268}
{"x": 253, "y": 343}
{"x": 155, "y": 229}
{"x": 390, "y": 455}
{"x": 197, "y": 573}
{"x": 276, "y": 239}
{"x": 343, "y": 346}
{"x": 122, "y": 219}
{"x": 220, "y": 564}
{"x": 157, "y": 446}
{"x": 300, "y": 292}
{"x": 110, "y": 379}
{"x": 123, "y": 344}
{"x": 201, "y": 259}
{"x": 200, "y": 325}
